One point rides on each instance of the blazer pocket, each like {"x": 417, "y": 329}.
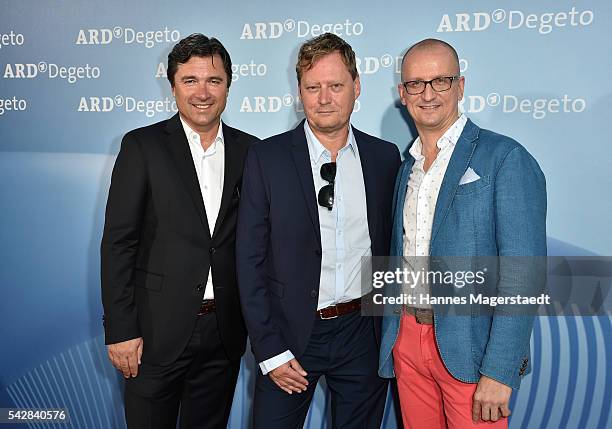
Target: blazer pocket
{"x": 276, "y": 287}
{"x": 147, "y": 280}
{"x": 477, "y": 185}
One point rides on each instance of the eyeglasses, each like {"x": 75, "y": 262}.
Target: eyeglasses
{"x": 326, "y": 193}
{"x": 439, "y": 84}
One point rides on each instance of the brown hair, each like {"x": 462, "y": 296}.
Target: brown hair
{"x": 323, "y": 45}
{"x": 197, "y": 45}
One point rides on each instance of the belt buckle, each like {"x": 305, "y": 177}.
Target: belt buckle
{"x": 422, "y": 316}
{"x": 330, "y": 317}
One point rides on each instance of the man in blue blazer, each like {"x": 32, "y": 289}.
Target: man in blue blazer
{"x": 463, "y": 191}
{"x": 315, "y": 201}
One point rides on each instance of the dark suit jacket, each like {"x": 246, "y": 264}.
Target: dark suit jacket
{"x": 279, "y": 258}
{"x": 157, "y": 248}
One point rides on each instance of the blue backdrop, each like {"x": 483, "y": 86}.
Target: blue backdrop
{"x": 75, "y": 76}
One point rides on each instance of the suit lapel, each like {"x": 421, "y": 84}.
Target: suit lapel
{"x": 458, "y": 164}
{"x": 370, "y": 177}
{"x": 179, "y": 149}
{"x": 397, "y": 237}
{"x": 231, "y": 173}
{"x": 301, "y": 158}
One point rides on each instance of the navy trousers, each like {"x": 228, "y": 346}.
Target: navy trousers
{"x": 345, "y": 351}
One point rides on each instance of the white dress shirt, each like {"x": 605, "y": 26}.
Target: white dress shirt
{"x": 209, "y": 165}
{"x": 420, "y": 203}
{"x": 345, "y": 236}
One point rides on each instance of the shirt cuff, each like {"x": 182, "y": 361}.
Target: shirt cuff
{"x": 276, "y": 361}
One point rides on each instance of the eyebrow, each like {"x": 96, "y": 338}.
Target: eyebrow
{"x": 184, "y": 78}
{"x": 435, "y": 77}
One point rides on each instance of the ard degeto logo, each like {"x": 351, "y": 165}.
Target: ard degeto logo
{"x": 127, "y": 35}
{"x": 299, "y": 28}
{"x": 12, "y": 105}
{"x": 106, "y": 104}
{"x": 274, "y": 104}
{"x": 543, "y": 23}
{"x": 11, "y": 39}
{"x": 70, "y": 74}
{"x": 537, "y": 108}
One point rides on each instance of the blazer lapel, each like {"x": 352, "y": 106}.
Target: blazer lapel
{"x": 369, "y": 179}
{"x": 301, "y": 158}
{"x": 179, "y": 149}
{"x": 231, "y": 173}
{"x": 458, "y": 164}
{"x": 397, "y": 236}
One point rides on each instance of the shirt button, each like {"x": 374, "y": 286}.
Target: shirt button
{"x": 338, "y": 266}
{"x": 212, "y": 250}
{"x": 313, "y": 293}
{"x": 200, "y": 287}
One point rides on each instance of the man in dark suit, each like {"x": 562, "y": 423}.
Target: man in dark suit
{"x": 316, "y": 200}
{"x": 172, "y": 318}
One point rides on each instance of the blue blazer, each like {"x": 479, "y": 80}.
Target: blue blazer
{"x": 501, "y": 214}
{"x": 278, "y": 252}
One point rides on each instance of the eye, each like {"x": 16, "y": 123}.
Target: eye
{"x": 189, "y": 81}
{"x": 439, "y": 81}
{"x": 336, "y": 87}
{"x": 215, "y": 81}
{"x": 414, "y": 83}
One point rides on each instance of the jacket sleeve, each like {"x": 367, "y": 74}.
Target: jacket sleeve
{"x": 520, "y": 211}
{"x": 120, "y": 240}
{"x": 252, "y": 246}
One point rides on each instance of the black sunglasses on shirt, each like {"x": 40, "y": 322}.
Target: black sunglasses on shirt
{"x": 326, "y": 193}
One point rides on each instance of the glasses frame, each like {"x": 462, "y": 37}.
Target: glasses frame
{"x": 430, "y": 82}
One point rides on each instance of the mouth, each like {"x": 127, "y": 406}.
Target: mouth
{"x": 202, "y": 106}
{"x": 429, "y": 107}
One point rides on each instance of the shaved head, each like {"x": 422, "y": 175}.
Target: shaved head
{"x": 431, "y": 45}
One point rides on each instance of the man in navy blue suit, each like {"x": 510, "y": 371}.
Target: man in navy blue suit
{"x": 315, "y": 200}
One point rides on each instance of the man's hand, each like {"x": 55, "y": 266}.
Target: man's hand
{"x": 491, "y": 400}
{"x": 290, "y": 377}
{"x": 125, "y": 356}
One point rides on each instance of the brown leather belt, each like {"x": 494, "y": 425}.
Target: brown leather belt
{"x": 423, "y": 316}
{"x": 340, "y": 309}
{"x": 207, "y": 307}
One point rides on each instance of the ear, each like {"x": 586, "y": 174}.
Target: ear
{"x": 400, "y": 91}
{"x": 461, "y": 86}
{"x": 357, "y": 86}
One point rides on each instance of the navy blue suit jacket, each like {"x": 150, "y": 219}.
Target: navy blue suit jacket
{"x": 279, "y": 240}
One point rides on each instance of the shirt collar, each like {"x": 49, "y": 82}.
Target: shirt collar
{"x": 316, "y": 149}
{"x": 194, "y": 138}
{"x": 449, "y": 138}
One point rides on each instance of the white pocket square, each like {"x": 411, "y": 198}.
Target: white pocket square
{"x": 469, "y": 176}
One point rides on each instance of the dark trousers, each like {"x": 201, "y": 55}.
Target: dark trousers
{"x": 345, "y": 351}
{"x": 201, "y": 382}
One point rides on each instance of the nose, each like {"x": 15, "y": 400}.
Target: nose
{"x": 324, "y": 97}
{"x": 428, "y": 94}
{"x": 202, "y": 90}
